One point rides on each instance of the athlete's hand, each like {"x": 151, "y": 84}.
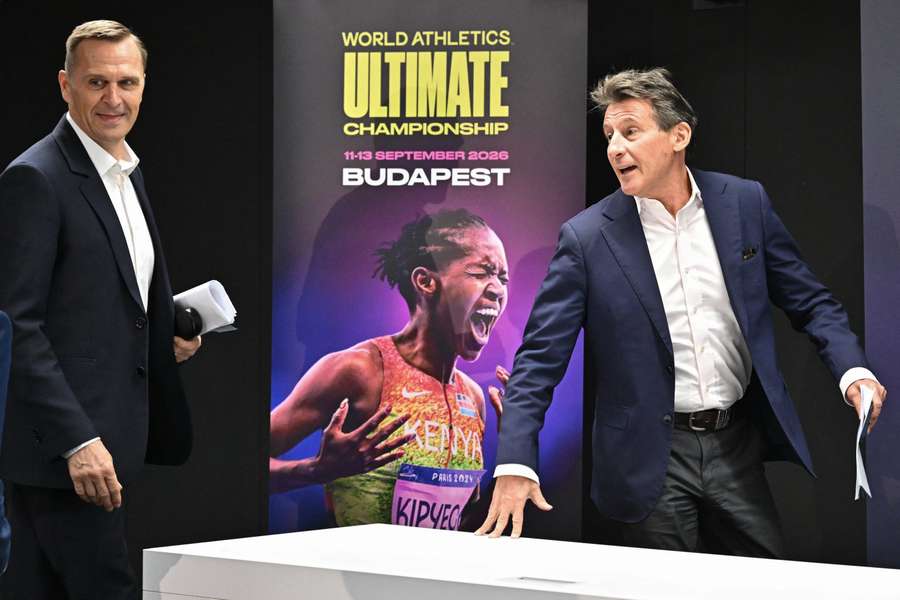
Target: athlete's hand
{"x": 361, "y": 450}
{"x": 495, "y": 394}
{"x": 854, "y": 396}
{"x": 510, "y": 494}
{"x": 94, "y": 477}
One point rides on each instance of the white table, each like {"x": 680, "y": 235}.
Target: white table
{"x": 384, "y": 561}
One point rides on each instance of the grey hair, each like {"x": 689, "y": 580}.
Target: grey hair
{"x": 653, "y": 85}
{"x": 111, "y": 31}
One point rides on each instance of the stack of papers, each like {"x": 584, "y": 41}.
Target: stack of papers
{"x": 213, "y": 304}
{"x": 862, "y": 482}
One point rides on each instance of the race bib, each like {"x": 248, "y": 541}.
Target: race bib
{"x": 432, "y": 497}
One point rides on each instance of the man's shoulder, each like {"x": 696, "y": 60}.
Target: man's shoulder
{"x": 591, "y": 216}
{"x": 43, "y": 155}
{"x": 719, "y": 182}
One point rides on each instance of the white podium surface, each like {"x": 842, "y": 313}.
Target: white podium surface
{"x": 385, "y": 561}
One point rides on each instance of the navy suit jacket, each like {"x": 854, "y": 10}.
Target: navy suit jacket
{"x": 5, "y": 357}
{"x": 601, "y": 280}
{"x": 87, "y": 359}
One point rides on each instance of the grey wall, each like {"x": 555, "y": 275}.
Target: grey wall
{"x": 880, "y": 20}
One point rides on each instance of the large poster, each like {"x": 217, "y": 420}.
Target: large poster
{"x": 426, "y": 154}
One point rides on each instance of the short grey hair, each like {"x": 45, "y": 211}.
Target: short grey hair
{"x": 111, "y": 31}
{"x": 653, "y": 85}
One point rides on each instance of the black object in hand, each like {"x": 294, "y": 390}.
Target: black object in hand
{"x": 188, "y": 323}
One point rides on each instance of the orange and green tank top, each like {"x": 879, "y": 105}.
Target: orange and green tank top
{"x": 448, "y": 429}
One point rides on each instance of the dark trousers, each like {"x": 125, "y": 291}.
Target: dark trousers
{"x": 64, "y": 548}
{"x": 715, "y": 498}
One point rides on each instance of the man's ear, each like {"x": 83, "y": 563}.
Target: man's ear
{"x": 63, "y": 78}
{"x": 425, "y": 281}
{"x": 681, "y": 136}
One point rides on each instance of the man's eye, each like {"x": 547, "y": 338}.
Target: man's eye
{"x": 95, "y": 83}
{"x": 504, "y": 280}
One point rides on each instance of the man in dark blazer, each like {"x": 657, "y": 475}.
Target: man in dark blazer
{"x": 5, "y": 358}
{"x": 671, "y": 278}
{"x": 94, "y": 391}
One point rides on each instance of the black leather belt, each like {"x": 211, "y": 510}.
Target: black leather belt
{"x": 711, "y": 419}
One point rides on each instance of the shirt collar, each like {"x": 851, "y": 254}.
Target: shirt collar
{"x": 695, "y": 193}
{"x": 104, "y": 161}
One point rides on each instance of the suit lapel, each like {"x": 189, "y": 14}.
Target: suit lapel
{"x": 722, "y": 208}
{"x": 94, "y": 192}
{"x": 625, "y": 237}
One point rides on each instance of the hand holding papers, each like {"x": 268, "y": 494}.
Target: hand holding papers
{"x": 212, "y": 304}
{"x": 862, "y": 482}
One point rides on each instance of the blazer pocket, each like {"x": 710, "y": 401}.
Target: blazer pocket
{"x": 614, "y": 416}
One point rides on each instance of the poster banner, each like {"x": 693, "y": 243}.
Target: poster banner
{"x": 426, "y": 154}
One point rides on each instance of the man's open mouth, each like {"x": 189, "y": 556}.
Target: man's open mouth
{"x": 628, "y": 169}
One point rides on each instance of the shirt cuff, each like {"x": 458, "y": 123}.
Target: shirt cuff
{"x": 852, "y": 375}
{"x": 69, "y": 453}
{"x": 518, "y": 470}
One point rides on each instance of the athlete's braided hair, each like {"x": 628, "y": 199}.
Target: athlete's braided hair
{"x": 430, "y": 241}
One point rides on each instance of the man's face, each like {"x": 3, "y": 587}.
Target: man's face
{"x": 104, "y": 90}
{"x": 474, "y": 291}
{"x": 641, "y": 154}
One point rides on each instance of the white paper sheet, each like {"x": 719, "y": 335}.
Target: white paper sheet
{"x": 213, "y": 304}
{"x": 862, "y": 482}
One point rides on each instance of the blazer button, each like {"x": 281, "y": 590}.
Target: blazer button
{"x": 141, "y": 372}
{"x": 140, "y": 322}
{"x": 667, "y": 419}
{"x": 670, "y": 369}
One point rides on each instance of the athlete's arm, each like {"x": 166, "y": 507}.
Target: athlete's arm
{"x": 318, "y": 402}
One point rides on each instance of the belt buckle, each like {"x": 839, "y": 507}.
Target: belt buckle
{"x": 723, "y": 418}
{"x": 691, "y": 422}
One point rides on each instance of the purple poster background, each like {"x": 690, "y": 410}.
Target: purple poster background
{"x": 881, "y": 186}
{"x": 325, "y": 298}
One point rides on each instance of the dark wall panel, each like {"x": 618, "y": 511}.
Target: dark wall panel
{"x": 804, "y": 144}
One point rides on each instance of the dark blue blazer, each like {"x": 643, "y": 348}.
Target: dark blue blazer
{"x": 87, "y": 359}
{"x": 5, "y": 357}
{"x": 601, "y": 280}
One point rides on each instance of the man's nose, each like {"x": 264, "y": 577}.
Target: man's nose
{"x": 112, "y": 95}
{"x": 614, "y": 147}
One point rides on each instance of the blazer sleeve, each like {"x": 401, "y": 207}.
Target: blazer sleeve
{"x": 550, "y": 335}
{"x": 30, "y": 224}
{"x": 809, "y": 305}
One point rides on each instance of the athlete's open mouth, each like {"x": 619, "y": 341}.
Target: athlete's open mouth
{"x": 483, "y": 321}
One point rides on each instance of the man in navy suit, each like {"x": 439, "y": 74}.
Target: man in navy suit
{"x": 671, "y": 278}
{"x": 5, "y": 357}
{"x": 94, "y": 392}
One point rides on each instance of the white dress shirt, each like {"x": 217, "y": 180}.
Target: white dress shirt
{"x": 712, "y": 360}
{"x": 115, "y": 176}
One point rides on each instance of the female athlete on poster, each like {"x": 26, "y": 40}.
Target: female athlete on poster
{"x": 397, "y": 405}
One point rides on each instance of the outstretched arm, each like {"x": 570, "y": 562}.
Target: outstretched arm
{"x": 541, "y": 361}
